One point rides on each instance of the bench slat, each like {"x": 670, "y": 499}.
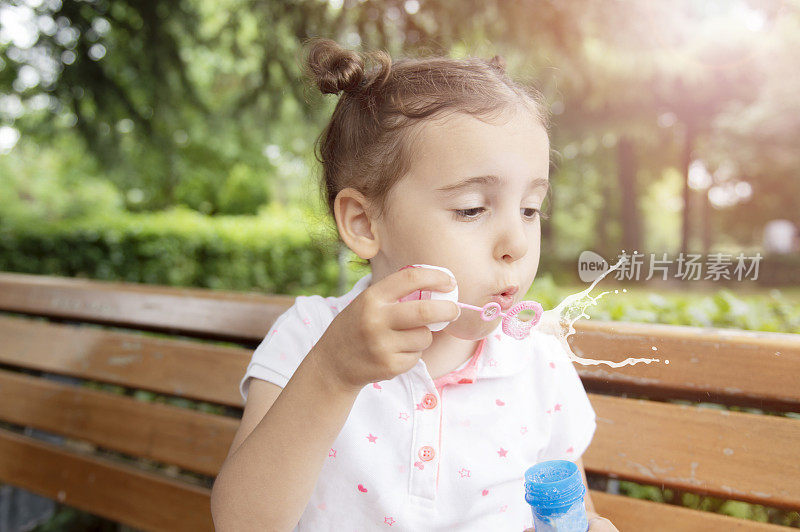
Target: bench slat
{"x": 628, "y": 513}
{"x": 708, "y": 365}
{"x": 152, "y": 502}
{"x": 204, "y": 313}
{"x": 184, "y": 368}
{"x": 193, "y": 440}
{"x": 726, "y": 454}
{"x": 138, "y": 498}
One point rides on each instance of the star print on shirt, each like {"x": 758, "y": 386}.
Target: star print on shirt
{"x": 523, "y": 430}
{"x": 332, "y": 453}
{"x": 372, "y": 438}
{"x": 557, "y": 408}
{"x": 502, "y": 452}
{"x": 463, "y": 472}
{"x": 403, "y": 415}
{"x": 389, "y": 520}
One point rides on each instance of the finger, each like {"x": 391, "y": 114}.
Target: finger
{"x": 404, "y": 282}
{"x": 411, "y": 341}
{"x": 412, "y": 314}
{"x": 601, "y": 524}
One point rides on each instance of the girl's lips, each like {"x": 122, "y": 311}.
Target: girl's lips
{"x": 505, "y": 297}
{"x": 505, "y": 302}
{"x": 507, "y": 291}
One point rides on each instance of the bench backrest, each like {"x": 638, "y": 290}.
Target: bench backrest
{"x": 151, "y": 464}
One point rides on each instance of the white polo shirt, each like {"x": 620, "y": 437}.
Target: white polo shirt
{"x": 418, "y": 454}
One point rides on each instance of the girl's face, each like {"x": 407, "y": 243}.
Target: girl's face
{"x": 470, "y": 203}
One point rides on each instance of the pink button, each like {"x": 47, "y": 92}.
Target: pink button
{"x": 426, "y": 453}
{"x": 429, "y": 401}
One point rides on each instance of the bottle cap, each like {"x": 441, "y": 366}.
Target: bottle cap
{"x": 430, "y": 294}
{"x": 553, "y": 485}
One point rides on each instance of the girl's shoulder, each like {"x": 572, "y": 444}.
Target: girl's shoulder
{"x": 308, "y": 316}
{"x": 326, "y": 308}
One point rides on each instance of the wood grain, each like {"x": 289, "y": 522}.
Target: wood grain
{"x": 137, "y": 498}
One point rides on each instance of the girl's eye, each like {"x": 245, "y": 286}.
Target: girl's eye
{"x": 465, "y": 213}
{"x": 469, "y": 214}
{"x": 534, "y": 212}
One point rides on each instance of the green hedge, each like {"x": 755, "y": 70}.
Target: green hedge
{"x": 280, "y": 251}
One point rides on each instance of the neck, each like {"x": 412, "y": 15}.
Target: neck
{"x": 446, "y": 353}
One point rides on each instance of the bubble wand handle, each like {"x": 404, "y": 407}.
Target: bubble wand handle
{"x": 473, "y": 307}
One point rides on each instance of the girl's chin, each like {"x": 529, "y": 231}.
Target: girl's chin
{"x": 471, "y": 330}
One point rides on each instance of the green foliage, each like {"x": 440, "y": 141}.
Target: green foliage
{"x": 774, "y": 310}
{"x": 244, "y": 191}
{"x": 739, "y": 509}
{"x": 48, "y": 185}
{"x": 271, "y": 252}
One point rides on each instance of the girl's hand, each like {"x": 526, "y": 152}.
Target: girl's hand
{"x": 376, "y": 337}
{"x": 599, "y": 524}
{"x": 596, "y": 524}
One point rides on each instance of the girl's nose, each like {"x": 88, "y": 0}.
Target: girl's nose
{"x": 512, "y": 241}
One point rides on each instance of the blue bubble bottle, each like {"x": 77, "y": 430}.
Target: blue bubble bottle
{"x": 555, "y": 491}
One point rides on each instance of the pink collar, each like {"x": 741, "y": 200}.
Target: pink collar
{"x": 465, "y": 375}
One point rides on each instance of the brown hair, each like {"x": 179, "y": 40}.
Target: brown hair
{"x": 369, "y": 142}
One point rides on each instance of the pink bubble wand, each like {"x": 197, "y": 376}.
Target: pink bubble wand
{"x": 512, "y": 325}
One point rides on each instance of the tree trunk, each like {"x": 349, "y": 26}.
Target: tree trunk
{"x": 626, "y": 172}
{"x": 706, "y": 206}
{"x": 604, "y": 246}
{"x": 687, "y": 192}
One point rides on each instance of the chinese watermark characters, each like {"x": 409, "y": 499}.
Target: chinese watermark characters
{"x": 686, "y": 266}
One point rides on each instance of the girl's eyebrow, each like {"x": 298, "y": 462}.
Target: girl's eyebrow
{"x": 490, "y": 181}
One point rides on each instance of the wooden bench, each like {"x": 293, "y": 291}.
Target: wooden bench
{"x": 151, "y": 465}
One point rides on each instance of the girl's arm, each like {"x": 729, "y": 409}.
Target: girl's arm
{"x": 266, "y": 482}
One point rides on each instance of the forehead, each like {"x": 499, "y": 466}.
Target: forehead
{"x": 448, "y": 149}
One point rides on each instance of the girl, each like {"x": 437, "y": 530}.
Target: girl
{"x": 359, "y": 416}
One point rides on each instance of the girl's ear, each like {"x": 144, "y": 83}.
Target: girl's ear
{"x": 354, "y": 223}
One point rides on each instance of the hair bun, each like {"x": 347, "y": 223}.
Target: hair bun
{"x": 334, "y": 68}
{"x": 498, "y": 62}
